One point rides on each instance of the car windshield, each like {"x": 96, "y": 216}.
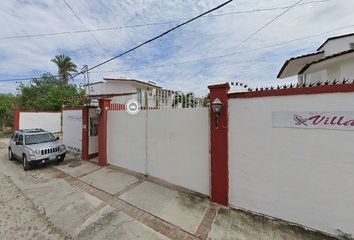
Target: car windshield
{"x": 39, "y": 138}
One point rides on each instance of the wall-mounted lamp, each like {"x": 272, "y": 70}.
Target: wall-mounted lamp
{"x": 217, "y": 107}
{"x": 98, "y": 111}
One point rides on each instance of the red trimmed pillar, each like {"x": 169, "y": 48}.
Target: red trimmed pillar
{"x": 17, "y": 119}
{"x": 219, "y": 146}
{"x": 102, "y": 131}
{"x": 85, "y": 133}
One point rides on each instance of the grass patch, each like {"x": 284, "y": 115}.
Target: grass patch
{"x": 5, "y": 135}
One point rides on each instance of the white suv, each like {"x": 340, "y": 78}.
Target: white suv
{"x": 35, "y": 146}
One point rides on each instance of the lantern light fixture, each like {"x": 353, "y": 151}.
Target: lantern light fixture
{"x": 98, "y": 111}
{"x": 217, "y": 107}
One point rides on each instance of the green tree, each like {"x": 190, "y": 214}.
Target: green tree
{"x": 47, "y": 94}
{"x": 206, "y": 100}
{"x": 8, "y": 103}
{"x": 187, "y": 100}
{"x": 65, "y": 67}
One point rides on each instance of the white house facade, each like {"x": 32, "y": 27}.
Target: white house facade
{"x": 333, "y": 60}
{"x": 110, "y": 86}
{"x": 148, "y": 94}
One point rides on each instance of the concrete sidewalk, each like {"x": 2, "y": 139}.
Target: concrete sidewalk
{"x": 81, "y": 200}
{"x": 44, "y": 204}
{"x": 180, "y": 215}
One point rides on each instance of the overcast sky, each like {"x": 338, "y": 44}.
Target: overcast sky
{"x": 176, "y": 61}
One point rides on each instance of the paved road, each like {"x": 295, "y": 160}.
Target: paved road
{"x": 20, "y": 218}
{"x": 40, "y": 204}
{"x": 80, "y": 200}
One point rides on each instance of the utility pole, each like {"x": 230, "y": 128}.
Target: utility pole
{"x": 86, "y": 74}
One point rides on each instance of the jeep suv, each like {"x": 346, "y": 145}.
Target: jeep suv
{"x": 35, "y": 146}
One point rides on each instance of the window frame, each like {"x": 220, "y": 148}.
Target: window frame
{"x": 19, "y": 138}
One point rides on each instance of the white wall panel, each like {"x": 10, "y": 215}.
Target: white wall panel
{"x": 126, "y": 140}
{"x": 49, "y": 121}
{"x": 304, "y": 176}
{"x": 178, "y": 147}
{"x": 174, "y": 146}
{"x": 72, "y": 129}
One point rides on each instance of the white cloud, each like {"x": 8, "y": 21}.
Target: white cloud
{"x": 205, "y": 37}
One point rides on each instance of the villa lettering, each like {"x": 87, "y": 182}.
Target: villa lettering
{"x": 324, "y": 120}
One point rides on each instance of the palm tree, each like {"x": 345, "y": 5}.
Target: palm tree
{"x": 65, "y": 67}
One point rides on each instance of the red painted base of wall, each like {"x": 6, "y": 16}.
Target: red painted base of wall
{"x": 93, "y": 155}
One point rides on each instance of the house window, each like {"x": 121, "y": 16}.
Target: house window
{"x": 351, "y": 45}
{"x": 140, "y": 96}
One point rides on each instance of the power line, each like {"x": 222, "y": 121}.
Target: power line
{"x": 16, "y": 79}
{"x": 266, "y": 9}
{"x": 85, "y": 31}
{"x": 267, "y": 24}
{"x": 24, "y": 79}
{"x": 254, "y": 33}
{"x": 78, "y": 18}
{"x": 233, "y": 53}
{"x": 149, "y": 24}
{"x": 157, "y": 37}
{"x": 138, "y": 46}
{"x": 206, "y": 58}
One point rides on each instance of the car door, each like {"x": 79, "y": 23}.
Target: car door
{"x": 18, "y": 148}
{"x": 13, "y": 143}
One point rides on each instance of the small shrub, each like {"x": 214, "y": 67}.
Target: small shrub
{"x": 5, "y": 135}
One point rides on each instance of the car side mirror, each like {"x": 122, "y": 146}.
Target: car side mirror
{"x": 57, "y": 138}
{"x": 18, "y": 143}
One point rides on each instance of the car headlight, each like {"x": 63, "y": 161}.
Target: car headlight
{"x": 37, "y": 152}
{"x": 31, "y": 153}
{"x": 62, "y": 147}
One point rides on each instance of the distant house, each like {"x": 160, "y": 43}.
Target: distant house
{"x": 146, "y": 93}
{"x": 334, "y": 60}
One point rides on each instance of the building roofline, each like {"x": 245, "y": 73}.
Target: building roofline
{"x": 94, "y": 83}
{"x": 125, "y": 80}
{"x": 99, "y": 96}
{"x": 132, "y": 80}
{"x": 324, "y": 59}
{"x": 323, "y": 89}
{"x": 294, "y": 58}
{"x": 333, "y": 38}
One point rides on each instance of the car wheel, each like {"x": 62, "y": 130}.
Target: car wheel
{"x": 26, "y": 164}
{"x": 62, "y": 158}
{"x": 10, "y": 155}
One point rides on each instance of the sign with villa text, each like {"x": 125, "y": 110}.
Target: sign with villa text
{"x": 336, "y": 120}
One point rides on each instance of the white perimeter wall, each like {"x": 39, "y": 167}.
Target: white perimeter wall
{"x": 300, "y": 175}
{"x": 126, "y": 140}
{"x": 178, "y": 147}
{"x": 72, "y": 128}
{"x": 174, "y": 148}
{"x": 50, "y": 121}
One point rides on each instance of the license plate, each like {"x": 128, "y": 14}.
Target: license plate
{"x": 52, "y": 157}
